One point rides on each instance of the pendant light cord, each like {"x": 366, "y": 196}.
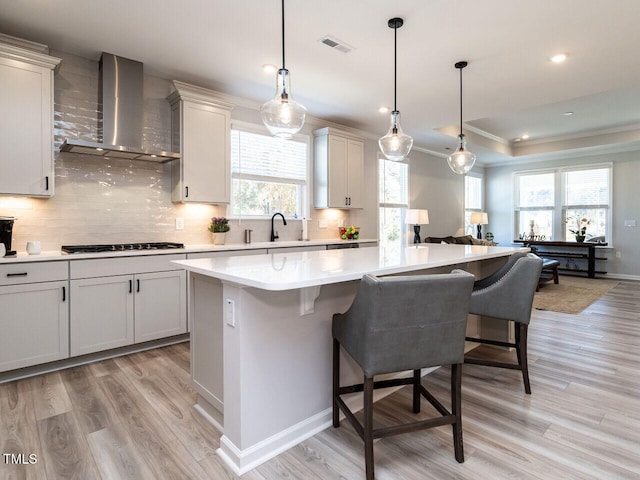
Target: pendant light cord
{"x": 395, "y": 68}
{"x": 461, "y": 101}
{"x": 283, "y": 64}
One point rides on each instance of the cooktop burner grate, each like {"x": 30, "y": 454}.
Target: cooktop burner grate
{"x": 120, "y": 247}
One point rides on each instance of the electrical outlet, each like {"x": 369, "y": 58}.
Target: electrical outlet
{"x": 618, "y": 254}
{"x": 322, "y": 224}
{"x": 230, "y": 312}
{"x": 341, "y": 222}
{"x": 179, "y": 223}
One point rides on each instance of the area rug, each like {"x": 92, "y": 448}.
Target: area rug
{"x": 572, "y": 294}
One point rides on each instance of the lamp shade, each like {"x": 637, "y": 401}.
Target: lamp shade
{"x": 479, "y": 218}
{"x": 417, "y": 216}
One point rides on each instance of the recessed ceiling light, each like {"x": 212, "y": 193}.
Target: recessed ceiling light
{"x": 383, "y": 110}
{"x": 568, "y": 113}
{"x": 559, "y": 58}
{"x": 268, "y": 68}
{"x": 524, "y": 137}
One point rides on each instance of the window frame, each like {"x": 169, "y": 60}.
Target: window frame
{"x": 304, "y": 198}
{"x": 469, "y": 228}
{"x": 559, "y": 207}
{"x": 402, "y": 206}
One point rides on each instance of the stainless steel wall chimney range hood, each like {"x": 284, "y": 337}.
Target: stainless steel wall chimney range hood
{"x": 120, "y": 114}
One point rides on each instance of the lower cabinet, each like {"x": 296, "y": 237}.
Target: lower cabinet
{"x": 160, "y": 305}
{"x": 118, "y": 310}
{"x": 34, "y": 324}
{"x": 101, "y": 313}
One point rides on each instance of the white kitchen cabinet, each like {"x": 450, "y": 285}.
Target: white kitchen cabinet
{"x": 34, "y": 318}
{"x": 122, "y": 301}
{"x": 101, "y": 313}
{"x": 26, "y": 122}
{"x": 339, "y": 169}
{"x": 201, "y": 132}
{"x": 159, "y": 305}
{"x": 305, "y": 248}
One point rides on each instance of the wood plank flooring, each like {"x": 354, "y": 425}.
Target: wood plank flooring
{"x": 132, "y": 417}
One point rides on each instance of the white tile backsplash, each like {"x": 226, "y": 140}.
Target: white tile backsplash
{"x": 100, "y": 200}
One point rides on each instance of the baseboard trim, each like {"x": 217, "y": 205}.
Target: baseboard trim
{"x": 621, "y": 276}
{"x": 26, "y": 372}
{"x": 241, "y": 461}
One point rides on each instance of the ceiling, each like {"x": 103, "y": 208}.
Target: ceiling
{"x": 510, "y": 86}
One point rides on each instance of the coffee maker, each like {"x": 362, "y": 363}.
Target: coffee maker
{"x": 6, "y": 229}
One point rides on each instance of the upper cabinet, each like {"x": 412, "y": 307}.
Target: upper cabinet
{"x": 201, "y": 132}
{"x": 339, "y": 169}
{"x": 26, "y": 121}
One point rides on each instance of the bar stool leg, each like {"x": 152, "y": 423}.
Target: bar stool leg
{"x": 416, "y": 391}
{"x": 456, "y": 407}
{"x": 368, "y": 427}
{"x": 521, "y": 350}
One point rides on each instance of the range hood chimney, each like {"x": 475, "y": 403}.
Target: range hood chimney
{"x": 120, "y": 115}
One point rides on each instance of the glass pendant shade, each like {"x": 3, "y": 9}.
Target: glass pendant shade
{"x": 461, "y": 161}
{"x": 282, "y": 115}
{"x": 396, "y": 144}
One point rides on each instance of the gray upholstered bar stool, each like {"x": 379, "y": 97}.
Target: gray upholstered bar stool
{"x": 403, "y": 323}
{"x": 507, "y": 295}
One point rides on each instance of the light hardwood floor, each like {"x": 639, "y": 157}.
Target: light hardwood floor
{"x": 132, "y": 417}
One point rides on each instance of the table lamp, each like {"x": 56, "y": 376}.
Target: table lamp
{"x": 479, "y": 219}
{"x": 416, "y": 217}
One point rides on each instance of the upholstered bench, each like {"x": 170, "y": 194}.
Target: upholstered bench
{"x": 549, "y": 271}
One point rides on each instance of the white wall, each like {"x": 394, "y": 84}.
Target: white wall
{"x": 625, "y": 206}
{"x": 433, "y": 186}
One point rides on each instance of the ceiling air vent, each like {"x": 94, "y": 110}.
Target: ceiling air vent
{"x": 336, "y": 44}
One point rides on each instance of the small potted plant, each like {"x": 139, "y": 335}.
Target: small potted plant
{"x": 580, "y": 230}
{"x": 219, "y": 226}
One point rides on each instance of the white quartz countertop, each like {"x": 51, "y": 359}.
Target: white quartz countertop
{"x": 55, "y": 255}
{"x": 291, "y": 270}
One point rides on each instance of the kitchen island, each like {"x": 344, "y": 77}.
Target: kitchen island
{"x": 261, "y": 335}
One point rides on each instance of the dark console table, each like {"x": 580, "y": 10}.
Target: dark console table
{"x": 588, "y": 252}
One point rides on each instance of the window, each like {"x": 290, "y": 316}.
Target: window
{"x": 472, "y": 200}
{"x": 587, "y": 195}
{"x": 268, "y": 174}
{"x": 393, "y": 179}
{"x": 535, "y": 204}
{"x": 552, "y": 202}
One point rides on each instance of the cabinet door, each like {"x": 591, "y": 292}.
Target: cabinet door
{"x": 355, "y": 172}
{"x": 337, "y": 171}
{"x": 205, "y": 154}
{"x": 160, "y": 305}
{"x": 26, "y": 131}
{"x": 101, "y": 313}
{"x": 34, "y": 324}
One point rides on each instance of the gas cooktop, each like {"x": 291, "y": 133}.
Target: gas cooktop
{"x": 120, "y": 247}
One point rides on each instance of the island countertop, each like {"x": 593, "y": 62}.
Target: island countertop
{"x": 287, "y": 271}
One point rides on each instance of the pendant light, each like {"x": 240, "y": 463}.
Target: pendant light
{"x": 282, "y": 115}
{"x": 395, "y": 145}
{"x": 462, "y": 160}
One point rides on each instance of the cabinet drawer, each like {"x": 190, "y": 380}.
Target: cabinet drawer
{"x": 102, "y": 267}
{"x": 227, "y": 253}
{"x": 18, "y": 273}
